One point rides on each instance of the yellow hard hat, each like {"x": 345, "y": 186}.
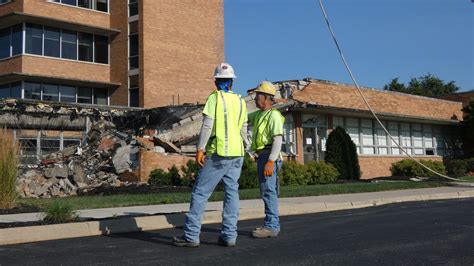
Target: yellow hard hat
{"x": 267, "y": 88}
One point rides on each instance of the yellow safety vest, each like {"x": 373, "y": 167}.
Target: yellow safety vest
{"x": 262, "y": 136}
{"x": 230, "y": 115}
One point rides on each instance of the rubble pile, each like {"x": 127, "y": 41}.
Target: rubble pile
{"x": 106, "y": 158}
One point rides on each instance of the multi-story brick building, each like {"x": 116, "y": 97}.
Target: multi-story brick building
{"x": 127, "y": 53}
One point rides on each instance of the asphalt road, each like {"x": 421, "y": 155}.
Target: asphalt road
{"x": 419, "y": 233}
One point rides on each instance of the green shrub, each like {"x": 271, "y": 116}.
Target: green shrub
{"x": 341, "y": 152}
{"x": 9, "y": 159}
{"x": 190, "y": 172}
{"x": 293, "y": 174}
{"x": 248, "y": 177}
{"x": 321, "y": 173}
{"x": 159, "y": 177}
{"x": 456, "y": 168}
{"x": 470, "y": 165}
{"x": 175, "y": 177}
{"x": 408, "y": 167}
{"x": 59, "y": 211}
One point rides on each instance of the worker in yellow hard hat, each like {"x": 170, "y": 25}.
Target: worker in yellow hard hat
{"x": 220, "y": 152}
{"x": 267, "y": 139}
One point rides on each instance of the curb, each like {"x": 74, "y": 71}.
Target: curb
{"x": 28, "y": 234}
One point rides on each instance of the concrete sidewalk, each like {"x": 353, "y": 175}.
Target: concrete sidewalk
{"x": 172, "y": 215}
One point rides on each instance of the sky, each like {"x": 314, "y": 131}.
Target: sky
{"x": 381, "y": 39}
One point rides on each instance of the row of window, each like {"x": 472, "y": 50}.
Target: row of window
{"x": 54, "y": 93}
{"x": 33, "y": 148}
{"x": 133, "y": 57}
{"x": 416, "y": 139}
{"x": 54, "y": 42}
{"x": 99, "y": 5}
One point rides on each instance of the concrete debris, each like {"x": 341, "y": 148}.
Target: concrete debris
{"x": 103, "y": 156}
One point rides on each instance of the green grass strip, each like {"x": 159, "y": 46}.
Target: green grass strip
{"x": 122, "y": 200}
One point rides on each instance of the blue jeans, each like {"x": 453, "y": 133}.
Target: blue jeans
{"x": 216, "y": 168}
{"x": 269, "y": 192}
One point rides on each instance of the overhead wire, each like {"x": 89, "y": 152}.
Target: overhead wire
{"x": 367, "y": 102}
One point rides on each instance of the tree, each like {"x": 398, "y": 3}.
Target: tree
{"x": 341, "y": 152}
{"x": 468, "y": 129}
{"x": 428, "y": 85}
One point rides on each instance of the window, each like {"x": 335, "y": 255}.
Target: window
{"x": 85, "y": 46}
{"x": 69, "y": 2}
{"x": 133, "y": 53}
{"x": 5, "y": 43}
{"x": 32, "y": 90}
{"x": 69, "y": 44}
{"x": 49, "y": 145}
{"x": 34, "y": 39}
{"x": 102, "y": 5}
{"x": 85, "y": 3}
{"x": 67, "y": 93}
{"x": 100, "y": 96}
{"x": 50, "y": 92}
{"x": 134, "y": 91}
{"x": 101, "y": 44}
{"x": 4, "y": 91}
{"x": 17, "y": 39}
{"x": 51, "y": 42}
{"x": 28, "y": 152}
{"x": 84, "y": 95}
{"x": 289, "y": 144}
{"x": 133, "y": 8}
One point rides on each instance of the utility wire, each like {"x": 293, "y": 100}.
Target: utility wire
{"x": 367, "y": 103}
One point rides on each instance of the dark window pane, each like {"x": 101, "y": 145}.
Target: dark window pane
{"x": 34, "y": 39}
{"x": 32, "y": 90}
{"x": 68, "y": 93}
{"x": 134, "y": 62}
{"x": 50, "y": 92}
{"x": 85, "y": 46}
{"x": 69, "y": 44}
{"x": 101, "y": 49}
{"x": 133, "y": 81}
{"x": 28, "y": 151}
{"x": 133, "y": 8}
{"x": 51, "y": 41}
{"x": 69, "y": 2}
{"x": 17, "y": 39}
{"x": 134, "y": 98}
{"x": 71, "y": 142}
{"x": 49, "y": 146}
{"x": 133, "y": 27}
{"x": 5, "y": 43}
{"x": 84, "y": 95}
{"x": 102, "y": 5}
{"x": 100, "y": 96}
{"x": 15, "y": 90}
{"x": 133, "y": 45}
{"x": 85, "y": 3}
{"x": 4, "y": 91}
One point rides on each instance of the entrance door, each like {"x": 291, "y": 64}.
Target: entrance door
{"x": 309, "y": 144}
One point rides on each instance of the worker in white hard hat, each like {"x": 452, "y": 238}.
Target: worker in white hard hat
{"x": 267, "y": 139}
{"x": 220, "y": 152}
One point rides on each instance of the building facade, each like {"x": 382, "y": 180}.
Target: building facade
{"x": 104, "y": 52}
{"x": 424, "y": 127}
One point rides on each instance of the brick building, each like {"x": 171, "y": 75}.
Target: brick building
{"x": 125, "y": 53}
{"x": 424, "y": 126}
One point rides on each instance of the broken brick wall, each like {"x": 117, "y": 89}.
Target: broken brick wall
{"x": 150, "y": 160}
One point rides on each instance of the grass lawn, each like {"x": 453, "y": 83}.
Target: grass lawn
{"x": 122, "y": 200}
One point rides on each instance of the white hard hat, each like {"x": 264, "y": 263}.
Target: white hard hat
{"x": 224, "y": 71}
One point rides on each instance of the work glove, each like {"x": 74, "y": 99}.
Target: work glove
{"x": 200, "y": 157}
{"x": 268, "y": 170}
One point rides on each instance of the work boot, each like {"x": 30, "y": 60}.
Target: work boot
{"x": 262, "y": 232}
{"x": 222, "y": 242}
{"x": 180, "y": 241}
